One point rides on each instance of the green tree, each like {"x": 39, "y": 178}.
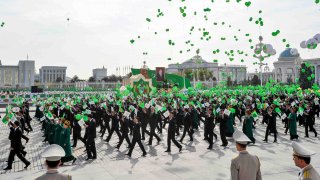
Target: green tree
{"x": 306, "y": 78}
{"x": 255, "y": 81}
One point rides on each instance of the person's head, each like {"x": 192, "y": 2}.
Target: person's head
{"x": 241, "y": 147}
{"x": 53, "y": 164}
{"x": 66, "y": 124}
{"x": 170, "y": 114}
{"x": 248, "y": 112}
{"x": 293, "y": 110}
{"x": 53, "y": 155}
{"x": 90, "y": 116}
{"x": 300, "y": 161}
{"x": 16, "y": 124}
{"x": 301, "y": 155}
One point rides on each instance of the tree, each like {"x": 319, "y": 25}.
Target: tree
{"x": 188, "y": 73}
{"x": 59, "y": 79}
{"x": 75, "y": 79}
{"x": 92, "y": 79}
{"x": 255, "y": 81}
{"x": 204, "y": 74}
{"x": 306, "y": 76}
{"x": 229, "y": 81}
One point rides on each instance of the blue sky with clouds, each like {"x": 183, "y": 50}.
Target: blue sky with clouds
{"x": 99, "y": 31}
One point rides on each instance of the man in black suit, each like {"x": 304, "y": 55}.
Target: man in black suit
{"x": 136, "y": 137}
{"x": 153, "y": 121}
{"x": 272, "y": 124}
{"x": 188, "y": 124}
{"x": 124, "y": 131}
{"x": 309, "y": 116}
{"x": 114, "y": 126}
{"x": 171, "y": 133}
{"x": 90, "y": 137}
{"x": 223, "y": 119}
{"x": 16, "y": 147}
{"x": 209, "y": 127}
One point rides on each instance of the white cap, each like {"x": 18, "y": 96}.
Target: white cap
{"x": 186, "y": 106}
{"x": 299, "y": 150}
{"x": 240, "y": 137}
{"x": 53, "y": 153}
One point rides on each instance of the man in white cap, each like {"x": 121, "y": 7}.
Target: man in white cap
{"x": 53, "y": 155}
{"x": 245, "y": 166}
{"x": 302, "y": 159}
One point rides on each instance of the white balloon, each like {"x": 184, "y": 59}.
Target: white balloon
{"x": 294, "y": 52}
{"x": 303, "y": 44}
{"x": 274, "y": 52}
{"x": 268, "y": 48}
{"x": 311, "y": 42}
{"x": 317, "y": 37}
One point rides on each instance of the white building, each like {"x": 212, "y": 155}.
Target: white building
{"x": 236, "y": 72}
{"x": 21, "y": 75}
{"x": 52, "y": 74}
{"x": 99, "y": 74}
{"x": 288, "y": 66}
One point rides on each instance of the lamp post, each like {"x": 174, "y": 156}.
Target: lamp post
{"x": 259, "y": 50}
{"x": 297, "y": 64}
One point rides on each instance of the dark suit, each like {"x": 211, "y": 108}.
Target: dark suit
{"x": 114, "y": 128}
{"x": 136, "y": 139}
{"x": 90, "y": 136}
{"x": 16, "y": 147}
{"x": 153, "y": 121}
{"x": 187, "y": 127}
{"x": 223, "y": 128}
{"x": 272, "y": 126}
{"x": 171, "y": 134}
{"x": 309, "y": 116}
{"x": 209, "y": 126}
{"x": 124, "y": 132}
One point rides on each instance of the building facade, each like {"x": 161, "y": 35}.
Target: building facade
{"x": 287, "y": 67}
{"x": 52, "y": 74}
{"x": 99, "y": 74}
{"x": 21, "y": 75}
{"x": 237, "y": 73}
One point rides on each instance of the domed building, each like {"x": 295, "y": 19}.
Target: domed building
{"x": 237, "y": 72}
{"x": 288, "y": 66}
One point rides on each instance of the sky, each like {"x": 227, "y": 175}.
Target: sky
{"x": 98, "y": 32}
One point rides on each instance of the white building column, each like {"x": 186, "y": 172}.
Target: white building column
{"x": 316, "y": 78}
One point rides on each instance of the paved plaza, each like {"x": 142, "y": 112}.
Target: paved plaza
{"x": 194, "y": 162}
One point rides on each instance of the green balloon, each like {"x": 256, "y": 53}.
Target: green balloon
{"x": 78, "y": 117}
{"x": 309, "y": 78}
{"x": 303, "y": 70}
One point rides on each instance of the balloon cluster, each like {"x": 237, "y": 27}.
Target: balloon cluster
{"x": 311, "y": 43}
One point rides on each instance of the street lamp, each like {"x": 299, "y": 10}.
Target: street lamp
{"x": 297, "y": 64}
{"x": 261, "y": 48}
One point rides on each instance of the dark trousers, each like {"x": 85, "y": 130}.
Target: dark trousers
{"x": 19, "y": 155}
{"x": 25, "y": 137}
{"x": 190, "y": 133}
{"x": 91, "y": 148}
{"x": 159, "y": 126}
{"x": 77, "y": 135}
{"x": 134, "y": 141}
{"x": 105, "y": 127}
{"x": 113, "y": 129}
{"x": 223, "y": 138}
{"x": 310, "y": 126}
{"x": 209, "y": 137}
{"x": 153, "y": 134}
{"x": 268, "y": 131}
{"x": 173, "y": 139}
{"x": 126, "y": 137}
{"x": 144, "y": 131}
